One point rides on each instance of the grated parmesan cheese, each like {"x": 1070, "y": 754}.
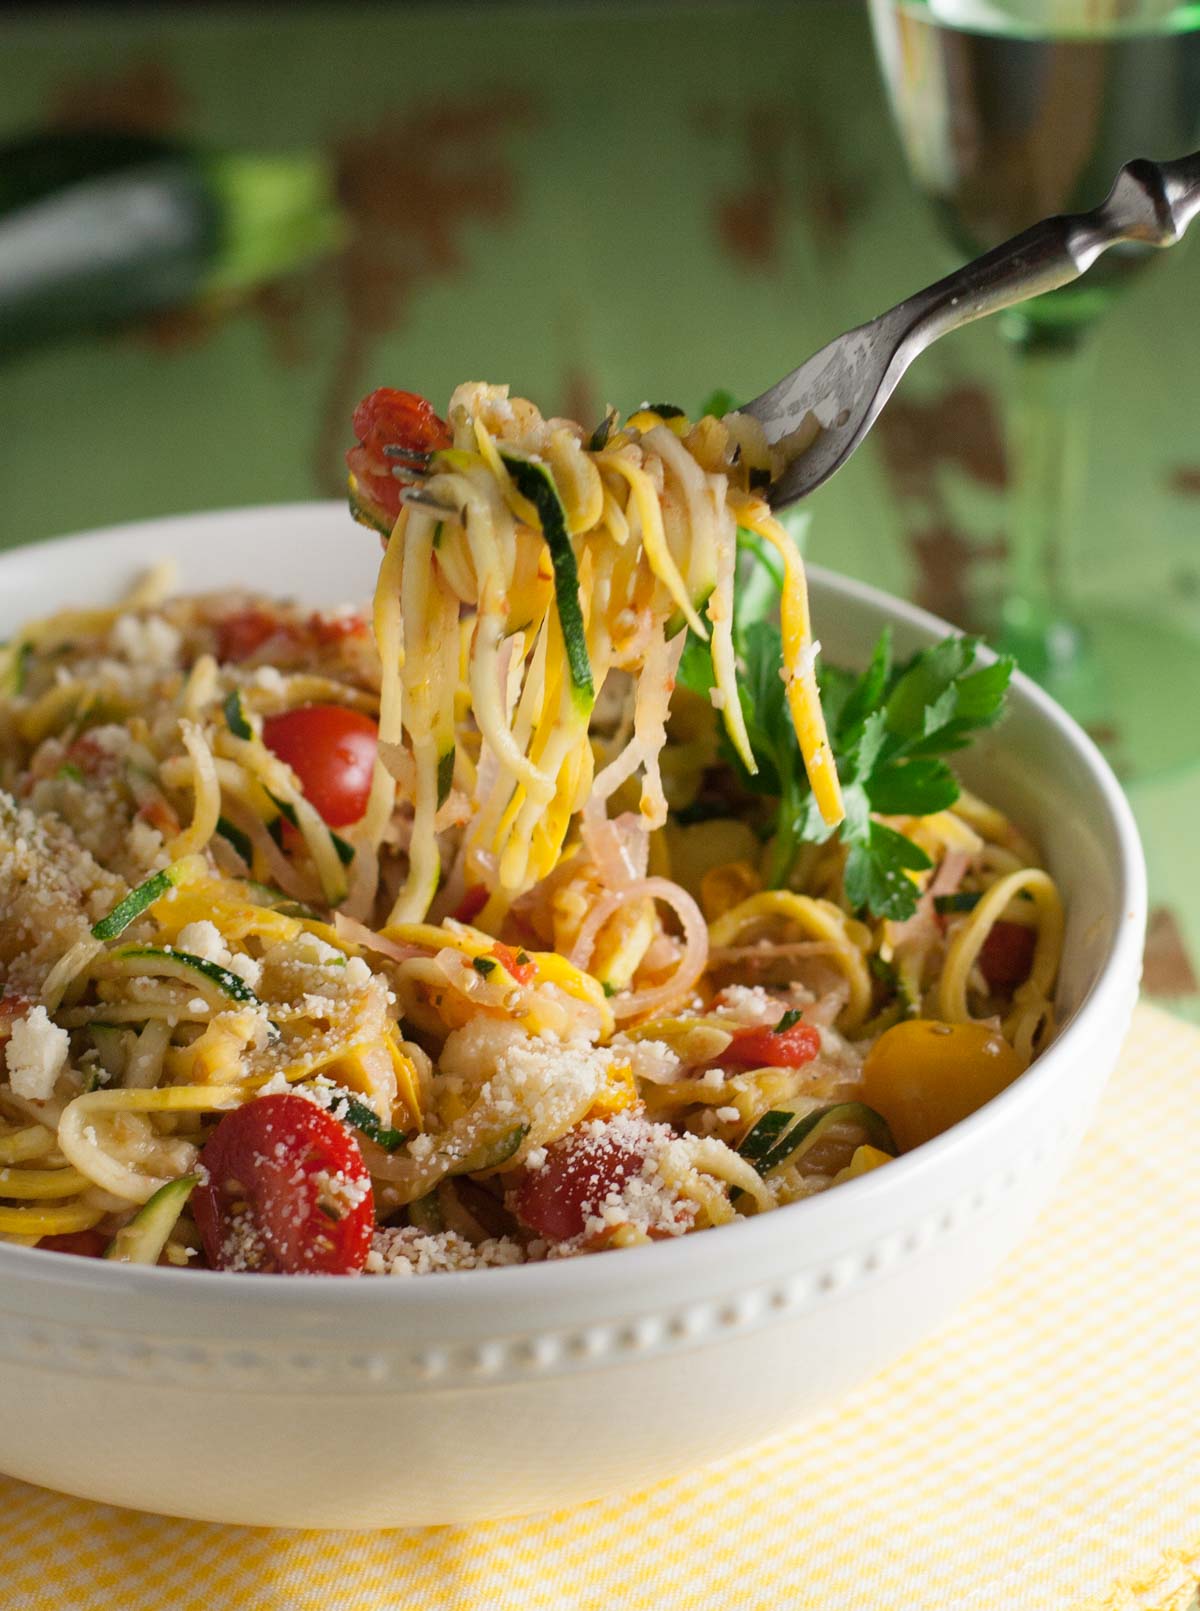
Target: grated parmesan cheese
{"x": 748, "y": 1005}
{"x": 406, "y": 1250}
{"x": 146, "y": 640}
{"x": 246, "y": 969}
{"x": 145, "y": 844}
{"x": 357, "y": 974}
{"x": 203, "y": 940}
{"x": 35, "y": 1055}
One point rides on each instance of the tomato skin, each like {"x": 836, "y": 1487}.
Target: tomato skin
{"x": 1007, "y": 955}
{"x": 472, "y": 903}
{"x": 159, "y": 814}
{"x": 580, "y": 1170}
{"x": 925, "y": 1076}
{"x": 389, "y": 418}
{"x": 268, "y": 1167}
{"x": 86, "y": 1244}
{"x": 509, "y": 959}
{"x": 331, "y": 749}
{"x": 772, "y": 1048}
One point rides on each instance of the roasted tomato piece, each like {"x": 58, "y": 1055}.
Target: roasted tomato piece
{"x": 407, "y": 425}
{"x": 472, "y": 903}
{"x": 160, "y": 814}
{"x": 523, "y": 970}
{"x": 332, "y": 751}
{"x": 1007, "y": 955}
{"x": 557, "y": 1200}
{"x": 243, "y": 634}
{"x": 772, "y": 1048}
{"x": 11, "y": 1008}
{"x": 332, "y": 629}
{"x": 287, "y": 1191}
{"x": 88, "y": 1244}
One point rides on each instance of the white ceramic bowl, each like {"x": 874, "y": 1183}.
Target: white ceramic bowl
{"x": 370, "y": 1403}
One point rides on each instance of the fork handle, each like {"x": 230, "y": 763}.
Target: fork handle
{"x": 1150, "y": 202}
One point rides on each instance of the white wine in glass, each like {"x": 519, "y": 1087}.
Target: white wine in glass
{"x": 1010, "y": 111}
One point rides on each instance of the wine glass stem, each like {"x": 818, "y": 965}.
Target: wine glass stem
{"x": 1048, "y": 440}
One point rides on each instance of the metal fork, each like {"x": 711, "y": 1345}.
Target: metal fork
{"x": 845, "y": 385}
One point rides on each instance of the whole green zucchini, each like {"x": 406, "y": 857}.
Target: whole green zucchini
{"x": 99, "y": 228}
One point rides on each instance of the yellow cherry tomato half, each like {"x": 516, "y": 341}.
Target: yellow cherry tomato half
{"x": 924, "y": 1076}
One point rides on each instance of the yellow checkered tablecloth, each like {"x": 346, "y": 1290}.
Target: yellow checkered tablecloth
{"x": 1040, "y": 1453}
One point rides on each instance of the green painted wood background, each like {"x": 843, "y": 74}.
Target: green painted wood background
{"x": 599, "y": 203}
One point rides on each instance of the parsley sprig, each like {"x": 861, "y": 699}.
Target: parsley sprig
{"x": 889, "y": 728}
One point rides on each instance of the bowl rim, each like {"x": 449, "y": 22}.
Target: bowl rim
{"x": 559, "y": 1282}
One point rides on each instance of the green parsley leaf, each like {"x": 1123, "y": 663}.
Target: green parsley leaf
{"x": 695, "y": 667}
{"x": 859, "y": 696}
{"x": 876, "y": 872}
{"x": 720, "y": 402}
{"x": 764, "y": 704}
{"x": 889, "y": 727}
{"x": 940, "y": 697}
{"x": 913, "y": 788}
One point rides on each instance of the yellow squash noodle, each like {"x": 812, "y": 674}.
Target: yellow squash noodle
{"x": 819, "y": 920}
{"x": 963, "y": 950}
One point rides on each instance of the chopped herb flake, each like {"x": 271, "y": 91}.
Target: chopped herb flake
{"x": 235, "y": 715}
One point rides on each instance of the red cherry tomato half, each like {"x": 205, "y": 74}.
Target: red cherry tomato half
{"x": 287, "y": 1191}
{"x": 557, "y": 1200}
{"x": 1007, "y": 955}
{"x": 332, "y": 752}
{"x": 772, "y": 1048}
{"x": 397, "y": 420}
{"x": 509, "y": 959}
{"x": 88, "y": 1244}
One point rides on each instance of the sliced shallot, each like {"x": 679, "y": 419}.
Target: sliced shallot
{"x": 692, "y": 962}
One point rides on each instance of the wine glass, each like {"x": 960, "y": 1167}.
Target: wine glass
{"x": 1008, "y": 111}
